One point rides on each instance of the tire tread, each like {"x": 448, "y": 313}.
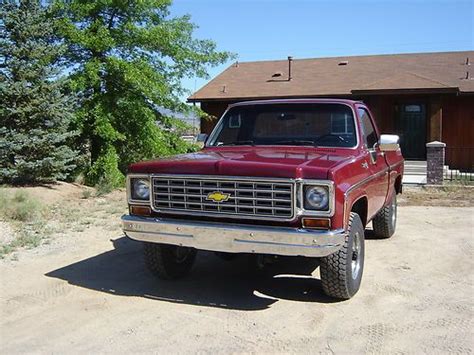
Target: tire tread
{"x": 158, "y": 262}
{"x": 382, "y": 222}
{"x": 333, "y": 268}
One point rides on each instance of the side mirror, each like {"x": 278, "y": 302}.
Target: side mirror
{"x": 201, "y": 138}
{"x": 389, "y": 142}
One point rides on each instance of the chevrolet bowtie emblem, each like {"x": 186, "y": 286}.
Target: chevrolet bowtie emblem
{"x": 217, "y": 196}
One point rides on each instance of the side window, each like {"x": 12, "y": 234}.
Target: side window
{"x": 368, "y": 129}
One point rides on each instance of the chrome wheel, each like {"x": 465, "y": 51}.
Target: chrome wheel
{"x": 394, "y": 211}
{"x": 356, "y": 255}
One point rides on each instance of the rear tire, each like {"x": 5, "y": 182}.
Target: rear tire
{"x": 385, "y": 222}
{"x": 168, "y": 262}
{"x": 341, "y": 272}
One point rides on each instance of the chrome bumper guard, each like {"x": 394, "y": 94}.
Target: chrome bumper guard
{"x": 234, "y": 238}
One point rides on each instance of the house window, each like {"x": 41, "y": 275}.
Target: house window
{"x": 413, "y": 108}
{"x": 341, "y": 123}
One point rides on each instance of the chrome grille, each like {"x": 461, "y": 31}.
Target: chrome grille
{"x": 263, "y": 199}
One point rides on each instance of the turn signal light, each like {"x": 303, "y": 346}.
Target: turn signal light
{"x": 316, "y": 223}
{"x": 140, "y": 210}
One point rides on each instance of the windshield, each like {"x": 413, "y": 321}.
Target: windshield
{"x": 323, "y": 125}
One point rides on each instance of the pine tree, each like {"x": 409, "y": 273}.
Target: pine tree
{"x": 35, "y": 111}
{"x": 130, "y": 57}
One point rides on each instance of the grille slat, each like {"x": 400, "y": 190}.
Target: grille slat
{"x": 223, "y": 189}
{"x": 162, "y": 194}
{"x": 257, "y": 199}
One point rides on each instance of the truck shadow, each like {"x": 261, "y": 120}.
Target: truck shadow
{"x": 213, "y": 282}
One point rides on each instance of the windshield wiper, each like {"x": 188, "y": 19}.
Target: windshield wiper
{"x": 238, "y": 143}
{"x": 296, "y": 142}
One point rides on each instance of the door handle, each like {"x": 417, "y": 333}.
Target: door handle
{"x": 365, "y": 165}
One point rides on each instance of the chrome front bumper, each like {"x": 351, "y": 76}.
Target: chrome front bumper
{"x": 234, "y": 238}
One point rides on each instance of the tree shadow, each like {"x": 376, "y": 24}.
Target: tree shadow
{"x": 212, "y": 282}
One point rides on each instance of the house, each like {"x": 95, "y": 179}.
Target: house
{"x": 421, "y": 97}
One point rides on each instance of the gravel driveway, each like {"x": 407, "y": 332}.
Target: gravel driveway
{"x": 90, "y": 293}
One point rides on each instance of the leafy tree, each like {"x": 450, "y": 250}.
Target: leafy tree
{"x": 35, "y": 112}
{"x": 130, "y": 57}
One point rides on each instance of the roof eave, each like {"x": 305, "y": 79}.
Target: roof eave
{"x": 454, "y": 90}
{"x": 250, "y": 98}
{"x": 447, "y": 90}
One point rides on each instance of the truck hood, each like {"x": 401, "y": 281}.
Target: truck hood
{"x": 271, "y": 161}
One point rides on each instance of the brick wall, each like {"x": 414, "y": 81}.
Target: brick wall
{"x": 435, "y": 162}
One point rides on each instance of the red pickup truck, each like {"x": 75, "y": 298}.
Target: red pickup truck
{"x": 300, "y": 177}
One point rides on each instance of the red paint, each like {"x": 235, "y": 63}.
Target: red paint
{"x": 345, "y": 166}
{"x": 263, "y": 161}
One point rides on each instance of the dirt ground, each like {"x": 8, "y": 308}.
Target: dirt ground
{"x": 86, "y": 290}
{"x": 447, "y": 196}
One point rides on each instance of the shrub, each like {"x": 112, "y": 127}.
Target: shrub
{"x": 26, "y": 214}
{"x": 86, "y": 194}
{"x": 104, "y": 171}
{"x": 20, "y": 207}
{"x": 104, "y": 187}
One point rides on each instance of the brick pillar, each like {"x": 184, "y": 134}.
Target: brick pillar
{"x": 435, "y": 162}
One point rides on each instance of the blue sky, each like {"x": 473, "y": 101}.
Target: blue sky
{"x": 265, "y": 29}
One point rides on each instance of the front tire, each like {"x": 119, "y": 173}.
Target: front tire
{"x": 385, "y": 221}
{"x": 341, "y": 272}
{"x": 168, "y": 262}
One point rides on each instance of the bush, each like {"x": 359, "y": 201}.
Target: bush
{"x": 20, "y": 207}
{"x": 86, "y": 194}
{"x": 105, "y": 171}
{"x": 104, "y": 186}
{"x": 25, "y": 214}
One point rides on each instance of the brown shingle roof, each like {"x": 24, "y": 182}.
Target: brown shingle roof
{"x": 324, "y": 77}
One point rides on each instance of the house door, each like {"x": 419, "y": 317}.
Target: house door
{"x": 411, "y": 127}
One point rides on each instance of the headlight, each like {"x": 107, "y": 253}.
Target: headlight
{"x": 140, "y": 189}
{"x": 316, "y": 198}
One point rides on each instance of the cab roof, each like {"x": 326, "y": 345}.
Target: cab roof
{"x": 298, "y": 101}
